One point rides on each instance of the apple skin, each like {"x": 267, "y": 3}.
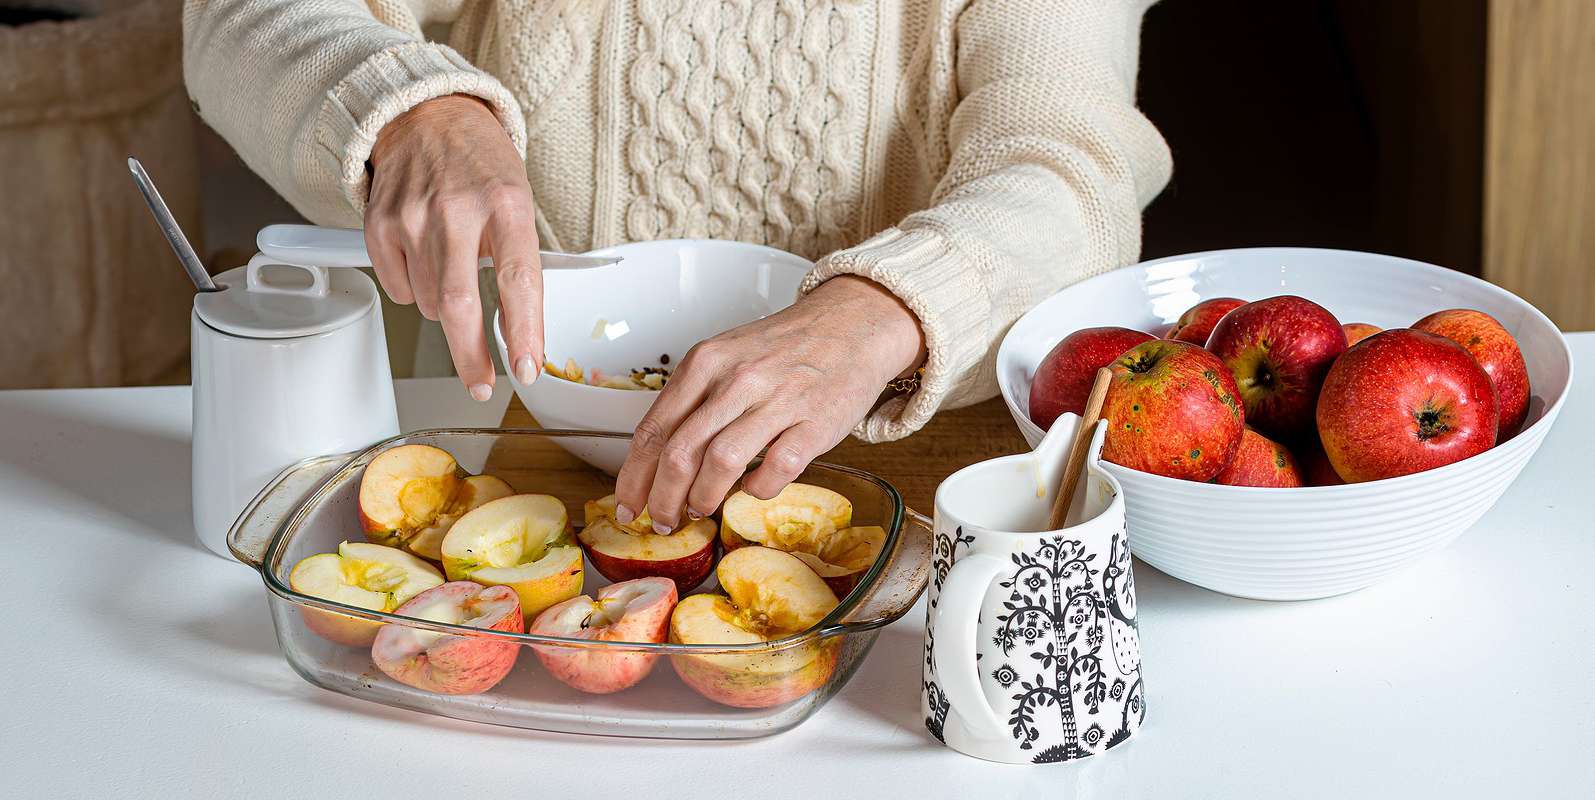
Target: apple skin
{"x": 1261, "y": 461}
{"x": 686, "y": 572}
{"x": 451, "y": 664}
{"x": 1063, "y": 379}
{"x": 1198, "y": 321}
{"x": 760, "y": 681}
{"x": 1357, "y": 331}
{"x": 1172, "y": 409}
{"x": 1405, "y": 401}
{"x": 1489, "y": 343}
{"x": 1314, "y": 465}
{"x": 1279, "y": 350}
{"x": 648, "y": 603}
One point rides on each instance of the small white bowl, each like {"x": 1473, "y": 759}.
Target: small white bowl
{"x": 660, "y": 300}
{"x": 1296, "y": 544}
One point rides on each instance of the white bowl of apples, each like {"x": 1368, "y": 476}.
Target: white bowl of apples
{"x": 1263, "y": 453}
{"x": 614, "y": 333}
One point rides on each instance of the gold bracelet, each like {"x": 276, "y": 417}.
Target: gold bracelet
{"x": 907, "y": 385}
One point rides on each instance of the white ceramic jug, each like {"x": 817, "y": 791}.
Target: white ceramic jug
{"x": 282, "y": 371}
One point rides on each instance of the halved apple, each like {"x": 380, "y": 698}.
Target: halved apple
{"x": 522, "y": 541}
{"x": 800, "y": 513}
{"x": 475, "y": 491}
{"x": 769, "y": 595}
{"x": 811, "y": 523}
{"x": 446, "y": 663}
{"x": 621, "y": 552}
{"x": 843, "y": 557}
{"x": 404, "y": 490}
{"x": 362, "y": 575}
{"x": 632, "y": 611}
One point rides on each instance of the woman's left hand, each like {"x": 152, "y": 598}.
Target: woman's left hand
{"x": 795, "y": 382}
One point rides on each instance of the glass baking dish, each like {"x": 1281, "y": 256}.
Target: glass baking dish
{"x": 311, "y": 507}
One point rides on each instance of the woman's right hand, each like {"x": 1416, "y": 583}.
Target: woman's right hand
{"x": 448, "y": 187}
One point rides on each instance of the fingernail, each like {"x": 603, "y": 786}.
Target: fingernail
{"x": 694, "y": 514}
{"x": 624, "y": 515}
{"x": 526, "y": 370}
{"x": 481, "y": 392}
{"x": 662, "y": 529}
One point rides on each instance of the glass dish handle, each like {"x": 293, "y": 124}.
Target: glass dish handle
{"x": 903, "y": 578}
{"x": 252, "y": 532}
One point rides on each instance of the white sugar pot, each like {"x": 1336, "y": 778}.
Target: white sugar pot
{"x": 289, "y": 361}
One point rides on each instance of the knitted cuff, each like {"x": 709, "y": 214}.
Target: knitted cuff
{"x": 941, "y": 288}
{"x": 389, "y": 83}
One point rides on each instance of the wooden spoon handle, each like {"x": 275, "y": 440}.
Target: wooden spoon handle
{"x": 1078, "y": 451}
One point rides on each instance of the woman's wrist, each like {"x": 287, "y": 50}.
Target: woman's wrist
{"x": 897, "y": 342}
{"x": 450, "y": 109}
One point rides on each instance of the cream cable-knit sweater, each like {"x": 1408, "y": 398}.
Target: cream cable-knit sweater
{"x": 973, "y": 156}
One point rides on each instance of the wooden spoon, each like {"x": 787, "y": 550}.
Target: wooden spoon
{"x": 1077, "y": 453}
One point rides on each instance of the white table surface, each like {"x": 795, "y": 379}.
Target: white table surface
{"x": 136, "y": 665}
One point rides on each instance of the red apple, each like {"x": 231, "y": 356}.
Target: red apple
{"x": 1357, "y": 331}
{"x": 1495, "y": 350}
{"x": 1260, "y": 461}
{"x": 1405, "y": 401}
{"x": 631, "y": 611}
{"x": 1197, "y": 323}
{"x": 1314, "y": 465}
{"x": 1063, "y": 380}
{"x": 447, "y": 663}
{"x": 1172, "y": 409}
{"x": 1279, "y": 350}
{"x": 621, "y": 552}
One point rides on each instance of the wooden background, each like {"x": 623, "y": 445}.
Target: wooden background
{"x": 916, "y": 465}
{"x": 1539, "y": 215}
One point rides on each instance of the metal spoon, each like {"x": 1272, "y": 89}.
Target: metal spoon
{"x": 174, "y": 234}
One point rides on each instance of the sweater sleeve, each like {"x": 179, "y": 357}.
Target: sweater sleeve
{"x": 1049, "y": 165}
{"x": 300, "y": 88}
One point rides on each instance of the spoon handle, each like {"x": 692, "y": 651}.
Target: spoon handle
{"x": 346, "y": 247}
{"x": 174, "y": 234}
{"x": 1082, "y": 446}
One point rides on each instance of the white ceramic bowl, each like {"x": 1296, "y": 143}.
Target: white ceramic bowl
{"x": 1295, "y": 544}
{"x": 659, "y": 301}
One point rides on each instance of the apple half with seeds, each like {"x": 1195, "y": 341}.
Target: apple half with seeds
{"x": 447, "y": 663}
{"x": 631, "y": 611}
{"x": 411, "y": 495}
{"x": 523, "y": 541}
{"x": 812, "y": 523}
{"x": 621, "y": 552}
{"x": 770, "y": 595}
{"x": 362, "y": 575}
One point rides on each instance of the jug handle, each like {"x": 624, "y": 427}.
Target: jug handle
{"x": 252, "y": 280}
{"x": 955, "y": 631}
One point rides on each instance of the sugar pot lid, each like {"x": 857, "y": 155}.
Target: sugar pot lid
{"x": 259, "y": 304}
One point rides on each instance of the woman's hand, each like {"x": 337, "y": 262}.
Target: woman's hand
{"x": 448, "y": 187}
{"x": 796, "y": 381}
